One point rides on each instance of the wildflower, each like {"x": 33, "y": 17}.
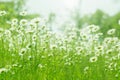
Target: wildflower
{"x": 84, "y": 36}
{"x": 33, "y": 26}
{"x": 99, "y": 48}
{"x": 43, "y": 27}
{"x": 93, "y": 28}
{"x": 62, "y": 48}
{"x": 23, "y": 13}
{"x": 29, "y": 57}
{"x": 29, "y": 46}
{"x": 86, "y": 69}
{"x": 53, "y": 46}
{"x": 110, "y": 66}
{"x": 43, "y": 48}
{"x": 34, "y": 37}
{"x": 72, "y": 37}
{"x": 111, "y": 31}
{"x": 3, "y": 70}
{"x": 23, "y": 22}
{"x": 109, "y": 51}
{"x": 111, "y": 40}
{"x": 8, "y": 33}
{"x": 29, "y": 31}
{"x": 36, "y": 20}
{"x": 22, "y": 52}
{"x": 107, "y": 40}
{"x": 97, "y": 54}
{"x": 93, "y": 59}
{"x": 2, "y": 13}
{"x": 117, "y": 47}
{"x": 113, "y": 58}
{"x": 79, "y": 50}
{"x": 13, "y": 27}
{"x": 14, "y": 21}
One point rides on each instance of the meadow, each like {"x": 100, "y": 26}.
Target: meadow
{"x": 30, "y": 51}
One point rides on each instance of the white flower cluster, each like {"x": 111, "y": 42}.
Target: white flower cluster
{"x": 28, "y": 43}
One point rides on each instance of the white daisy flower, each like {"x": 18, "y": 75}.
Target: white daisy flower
{"x": 23, "y": 22}
{"x": 22, "y": 51}
{"x": 111, "y": 31}
{"x": 93, "y": 59}
{"x": 23, "y": 13}
{"x": 3, "y": 70}
{"x": 2, "y": 13}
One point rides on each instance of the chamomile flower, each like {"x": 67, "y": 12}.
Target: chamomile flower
{"x": 22, "y": 51}
{"x": 99, "y": 48}
{"x": 84, "y": 36}
{"x": 2, "y": 13}
{"x": 3, "y": 70}
{"x": 23, "y": 13}
{"x": 93, "y": 28}
{"x": 62, "y": 48}
{"x": 23, "y": 22}
{"x": 111, "y": 31}
{"x": 34, "y": 37}
{"x": 53, "y": 46}
{"x": 80, "y": 49}
{"x": 33, "y": 26}
{"x": 29, "y": 46}
{"x": 7, "y": 33}
{"x": 93, "y": 59}
{"x": 30, "y": 57}
{"x": 86, "y": 69}
{"x": 36, "y": 20}
{"x": 107, "y": 40}
{"x": 109, "y": 51}
{"x": 14, "y": 21}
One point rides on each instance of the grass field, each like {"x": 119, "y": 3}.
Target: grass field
{"x": 30, "y": 51}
